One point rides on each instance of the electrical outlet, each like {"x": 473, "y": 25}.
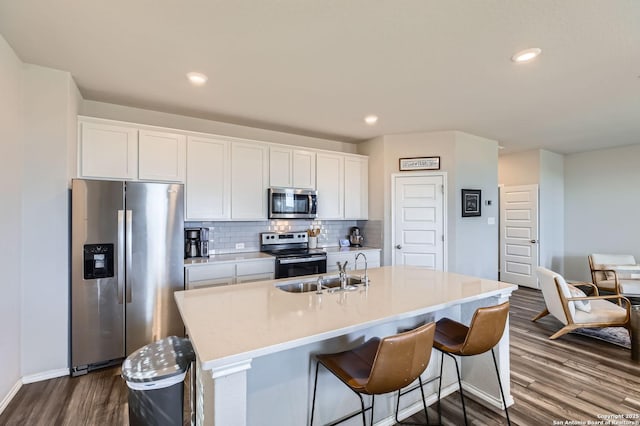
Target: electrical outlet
{"x": 239, "y": 246}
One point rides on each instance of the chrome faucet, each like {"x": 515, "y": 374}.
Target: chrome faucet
{"x": 365, "y": 279}
{"x": 342, "y": 268}
{"x": 319, "y": 285}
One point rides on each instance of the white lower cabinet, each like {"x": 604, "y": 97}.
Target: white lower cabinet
{"x": 213, "y": 275}
{"x": 373, "y": 260}
{"x": 209, "y": 275}
{"x": 255, "y": 270}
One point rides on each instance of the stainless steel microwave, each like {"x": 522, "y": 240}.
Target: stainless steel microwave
{"x": 292, "y": 203}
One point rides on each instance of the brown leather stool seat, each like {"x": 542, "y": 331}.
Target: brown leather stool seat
{"x": 483, "y": 334}
{"x": 380, "y": 366}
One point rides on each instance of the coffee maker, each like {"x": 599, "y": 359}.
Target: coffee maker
{"x": 355, "y": 238}
{"x": 196, "y": 242}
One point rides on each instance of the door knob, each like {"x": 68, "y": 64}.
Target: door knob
{"x": 398, "y": 246}
{"x": 533, "y": 241}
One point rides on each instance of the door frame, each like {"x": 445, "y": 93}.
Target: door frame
{"x": 394, "y": 176}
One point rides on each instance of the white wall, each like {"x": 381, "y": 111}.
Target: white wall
{"x": 154, "y": 118}
{"x": 476, "y": 241}
{"x": 49, "y": 112}
{"x": 11, "y": 158}
{"x": 522, "y": 168}
{"x": 551, "y": 210}
{"x": 470, "y": 161}
{"x": 384, "y": 154}
{"x": 601, "y": 206}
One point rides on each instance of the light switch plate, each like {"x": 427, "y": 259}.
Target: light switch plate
{"x": 491, "y": 220}
{"x": 239, "y": 246}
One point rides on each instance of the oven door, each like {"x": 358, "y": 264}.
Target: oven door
{"x": 297, "y": 266}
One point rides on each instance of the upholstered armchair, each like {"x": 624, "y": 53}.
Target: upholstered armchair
{"x": 617, "y": 273}
{"x": 575, "y": 310}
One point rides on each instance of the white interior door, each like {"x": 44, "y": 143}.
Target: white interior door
{"x": 519, "y": 235}
{"x": 418, "y": 221}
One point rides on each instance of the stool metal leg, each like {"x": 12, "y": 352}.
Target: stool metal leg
{"x": 504, "y": 401}
{"x": 315, "y": 385}
{"x": 464, "y": 410}
{"x": 424, "y": 404}
{"x": 372, "y": 399}
{"x": 440, "y": 387}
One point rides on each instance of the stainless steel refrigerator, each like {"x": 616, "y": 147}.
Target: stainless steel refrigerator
{"x": 127, "y": 260}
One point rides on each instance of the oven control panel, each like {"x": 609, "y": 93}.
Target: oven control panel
{"x": 272, "y": 238}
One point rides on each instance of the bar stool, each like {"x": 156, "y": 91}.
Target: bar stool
{"x": 483, "y": 334}
{"x": 380, "y": 366}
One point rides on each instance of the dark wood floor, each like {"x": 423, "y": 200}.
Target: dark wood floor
{"x": 572, "y": 378}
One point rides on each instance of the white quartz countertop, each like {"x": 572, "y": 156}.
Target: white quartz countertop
{"x": 225, "y": 258}
{"x": 256, "y": 255}
{"x": 232, "y": 324}
{"x": 348, "y": 249}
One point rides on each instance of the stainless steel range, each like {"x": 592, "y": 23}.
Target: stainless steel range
{"x": 293, "y": 255}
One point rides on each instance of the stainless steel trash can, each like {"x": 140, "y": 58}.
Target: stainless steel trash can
{"x": 635, "y": 331}
{"x": 155, "y": 376}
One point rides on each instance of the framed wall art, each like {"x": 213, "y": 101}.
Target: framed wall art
{"x": 420, "y": 163}
{"x": 471, "y": 202}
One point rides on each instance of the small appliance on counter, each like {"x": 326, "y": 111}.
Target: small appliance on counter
{"x": 355, "y": 238}
{"x": 196, "y": 242}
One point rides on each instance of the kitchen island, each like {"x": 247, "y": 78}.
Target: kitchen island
{"x": 254, "y": 343}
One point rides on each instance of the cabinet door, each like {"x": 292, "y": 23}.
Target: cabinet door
{"x": 253, "y": 278}
{"x": 210, "y": 275}
{"x": 280, "y": 165}
{"x": 109, "y": 152}
{"x": 217, "y": 282}
{"x": 334, "y": 258}
{"x": 208, "y": 185}
{"x": 249, "y": 177}
{"x": 356, "y": 188}
{"x": 330, "y": 184}
{"x": 161, "y": 156}
{"x": 304, "y": 169}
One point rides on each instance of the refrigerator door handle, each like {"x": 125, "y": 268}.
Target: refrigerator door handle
{"x": 128, "y": 238}
{"x": 120, "y": 257}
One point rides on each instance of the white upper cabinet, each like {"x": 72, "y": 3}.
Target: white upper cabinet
{"x": 356, "y": 188}
{"x": 249, "y": 180}
{"x": 330, "y": 184}
{"x": 161, "y": 156}
{"x": 208, "y": 184}
{"x": 292, "y": 168}
{"x": 108, "y": 151}
{"x": 304, "y": 169}
{"x": 280, "y": 170}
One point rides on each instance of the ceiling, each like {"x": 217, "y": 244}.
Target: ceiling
{"x": 317, "y": 67}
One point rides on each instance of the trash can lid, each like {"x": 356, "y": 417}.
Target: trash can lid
{"x": 158, "y": 360}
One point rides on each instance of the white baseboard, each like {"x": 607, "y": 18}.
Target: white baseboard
{"x": 12, "y": 392}
{"x": 417, "y": 406}
{"x": 45, "y": 375}
{"x": 482, "y": 396}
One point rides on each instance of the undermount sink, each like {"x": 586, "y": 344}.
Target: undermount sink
{"x": 331, "y": 283}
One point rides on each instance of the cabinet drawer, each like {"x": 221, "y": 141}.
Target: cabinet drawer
{"x": 210, "y": 272}
{"x": 255, "y": 267}
{"x": 210, "y": 283}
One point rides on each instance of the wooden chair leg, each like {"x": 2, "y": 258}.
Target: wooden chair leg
{"x": 540, "y": 315}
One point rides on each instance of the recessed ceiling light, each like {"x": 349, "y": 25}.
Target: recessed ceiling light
{"x": 371, "y": 119}
{"x": 196, "y": 78}
{"x": 526, "y": 55}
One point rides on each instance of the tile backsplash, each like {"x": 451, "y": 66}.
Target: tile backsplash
{"x": 225, "y": 236}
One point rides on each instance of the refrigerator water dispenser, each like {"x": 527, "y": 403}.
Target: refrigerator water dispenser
{"x": 98, "y": 261}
